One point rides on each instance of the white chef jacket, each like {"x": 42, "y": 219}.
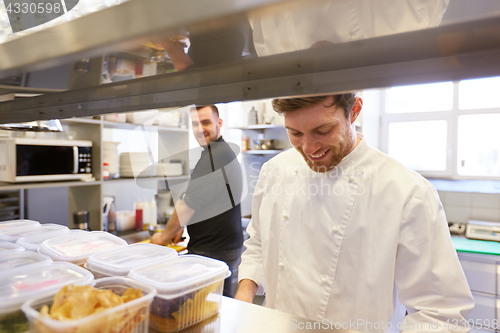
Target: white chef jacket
{"x": 303, "y": 23}
{"x": 363, "y": 242}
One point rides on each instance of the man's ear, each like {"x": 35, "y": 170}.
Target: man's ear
{"x": 220, "y": 122}
{"x": 356, "y": 109}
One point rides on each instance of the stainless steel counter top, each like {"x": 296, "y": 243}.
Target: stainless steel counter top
{"x": 240, "y": 317}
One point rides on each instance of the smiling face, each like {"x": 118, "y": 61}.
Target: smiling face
{"x": 206, "y": 125}
{"x": 322, "y": 134}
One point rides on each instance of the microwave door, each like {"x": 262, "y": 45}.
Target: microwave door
{"x": 38, "y": 160}
{"x": 75, "y": 159}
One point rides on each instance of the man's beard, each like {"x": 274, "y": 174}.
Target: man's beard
{"x": 336, "y": 154}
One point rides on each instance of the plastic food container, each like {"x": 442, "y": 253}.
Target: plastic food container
{"x": 130, "y": 317}
{"x": 12, "y": 224}
{"x": 18, "y": 286}
{"x": 12, "y": 235}
{"x": 77, "y": 247}
{"x": 22, "y": 259}
{"x": 120, "y": 261}
{"x": 189, "y": 290}
{"x": 33, "y": 242}
{"x": 6, "y": 247}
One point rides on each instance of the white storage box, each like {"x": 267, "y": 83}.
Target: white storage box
{"x": 189, "y": 290}
{"x": 120, "y": 261}
{"x": 147, "y": 117}
{"x": 77, "y": 247}
{"x": 22, "y": 259}
{"x": 7, "y": 247}
{"x": 33, "y": 242}
{"x": 125, "y": 220}
{"x": 12, "y": 235}
{"x": 116, "y": 117}
{"x": 130, "y": 317}
{"x": 18, "y": 286}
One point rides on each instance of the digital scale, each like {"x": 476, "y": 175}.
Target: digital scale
{"x": 483, "y": 230}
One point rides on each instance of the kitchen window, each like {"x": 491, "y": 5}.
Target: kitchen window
{"x": 446, "y": 129}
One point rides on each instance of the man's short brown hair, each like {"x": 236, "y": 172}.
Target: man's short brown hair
{"x": 343, "y": 101}
{"x": 213, "y": 107}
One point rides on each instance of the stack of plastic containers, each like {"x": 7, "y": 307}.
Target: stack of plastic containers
{"x": 120, "y": 261}
{"x": 130, "y": 317}
{"x": 33, "y": 242}
{"x": 6, "y": 247}
{"x": 189, "y": 289}
{"x": 13, "y": 234}
{"x": 77, "y": 247}
{"x": 20, "y": 285}
{"x": 24, "y": 259}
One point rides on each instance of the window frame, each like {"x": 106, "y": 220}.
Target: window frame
{"x": 451, "y": 117}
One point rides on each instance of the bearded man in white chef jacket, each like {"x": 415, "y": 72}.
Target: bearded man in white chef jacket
{"x": 342, "y": 233}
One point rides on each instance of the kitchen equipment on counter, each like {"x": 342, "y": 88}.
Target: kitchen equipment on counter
{"x": 120, "y": 261}
{"x": 265, "y": 144}
{"x": 81, "y": 220}
{"x": 125, "y": 220}
{"x": 163, "y": 202}
{"x": 189, "y": 289}
{"x": 32, "y": 160}
{"x": 457, "y": 228}
{"x": 109, "y": 214}
{"x": 483, "y": 230}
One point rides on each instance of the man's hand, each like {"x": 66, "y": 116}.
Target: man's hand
{"x": 246, "y": 290}
{"x": 178, "y": 236}
{"x": 158, "y": 238}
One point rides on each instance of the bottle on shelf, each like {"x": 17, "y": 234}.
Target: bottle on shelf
{"x": 138, "y": 216}
{"x": 152, "y": 213}
{"x": 145, "y": 215}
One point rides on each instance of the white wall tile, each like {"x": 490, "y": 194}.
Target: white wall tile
{"x": 485, "y": 214}
{"x": 458, "y": 198}
{"x": 486, "y": 200}
{"x": 457, "y": 213}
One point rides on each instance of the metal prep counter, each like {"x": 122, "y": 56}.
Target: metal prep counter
{"x": 241, "y": 317}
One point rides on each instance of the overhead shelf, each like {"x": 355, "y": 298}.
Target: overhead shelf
{"x": 452, "y": 52}
{"x": 257, "y": 127}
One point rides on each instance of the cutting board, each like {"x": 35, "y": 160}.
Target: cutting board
{"x": 463, "y": 244}
{"x": 177, "y": 247}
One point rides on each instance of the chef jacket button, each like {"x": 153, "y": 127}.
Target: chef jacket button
{"x": 281, "y": 265}
{"x": 285, "y": 216}
{"x": 324, "y": 279}
{"x": 335, "y": 229}
{"x": 351, "y": 179}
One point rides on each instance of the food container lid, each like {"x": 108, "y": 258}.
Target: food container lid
{"x": 181, "y": 275}
{"x": 17, "y": 286}
{"x": 17, "y": 224}
{"x": 12, "y": 235}
{"x": 17, "y": 259}
{"x": 119, "y": 261}
{"x": 77, "y": 247}
{"x": 33, "y": 242}
{"x": 8, "y": 247}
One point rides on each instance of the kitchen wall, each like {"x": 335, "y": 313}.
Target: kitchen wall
{"x": 464, "y": 206}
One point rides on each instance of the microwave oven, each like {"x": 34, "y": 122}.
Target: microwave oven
{"x": 34, "y": 160}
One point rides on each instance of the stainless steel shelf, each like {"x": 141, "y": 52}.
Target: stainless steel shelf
{"x": 8, "y": 186}
{"x": 257, "y": 127}
{"x": 263, "y": 152}
{"x": 116, "y": 180}
{"x": 129, "y": 126}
